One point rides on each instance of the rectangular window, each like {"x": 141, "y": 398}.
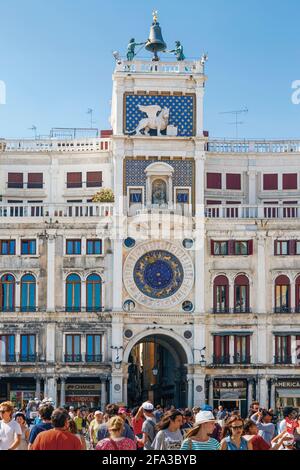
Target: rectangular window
{"x": 242, "y": 349}
{"x": 289, "y": 181}
{"x": 74, "y": 180}
{"x": 94, "y": 247}
{"x": 270, "y": 182}
{"x": 73, "y": 348}
{"x": 28, "y": 247}
{"x": 7, "y": 348}
{"x": 241, "y": 248}
{"x": 281, "y": 247}
{"x": 233, "y": 181}
{"x": 221, "y": 349}
{"x": 220, "y": 248}
{"x": 182, "y": 196}
{"x": 94, "y": 179}
{"x": 15, "y": 180}
{"x": 135, "y": 196}
{"x": 7, "y": 247}
{"x": 214, "y": 180}
{"x": 27, "y": 353}
{"x": 35, "y": 180}
{"x": 93, "y": 348}
{"x": 73, "y": 247}
{"x": 283, "y": 349}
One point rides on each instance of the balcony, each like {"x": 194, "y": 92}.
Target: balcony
{"x": 221, "y": 360}
{"x": 45, "y": 212}
{"x": 85, "y": 145}
{"x": 253, "y": 146}
{"x": 283, "y": 360}
{"x": 83, "y": 358}
{"x": 244, "y": 211}
{"x": 21, "y": 358}
{"x": 22, "y": 185}
{"x": 231, "y": 310}
{"x": 94, "y": 309}
{"x": 241, "y": 359}
{"x": 164, "y": 66}
{"x": 283, "y": 309}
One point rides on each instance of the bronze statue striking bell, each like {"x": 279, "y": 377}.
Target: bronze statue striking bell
{"x": 155, "y": 42}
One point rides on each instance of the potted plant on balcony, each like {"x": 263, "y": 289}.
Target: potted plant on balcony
{"x": 104, "y": 195}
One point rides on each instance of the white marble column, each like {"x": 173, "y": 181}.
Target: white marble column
{"x": 103, "y": 394}
{"x": 261, "y": 275}
{"x": 125, "y": 385}
{"x": 294, "y": 349}
{"x": 199, "y": 108}
{"x": 38, "y": 387}
{"x": 263, "y": 392}
{"x": 117, "y": 386}
{"x": 52, "y": 388}
{"x": 199, "y": 388}
{"x": 190, "y": 391}
{"x": 252, "y": 187}
{"x": 231, "y": 349}
{"x": 250, "y": 392}
{"x": 211, "y": 392}
{"x": 62, "y": 391}
{"x": 51, "y": 271}
{"x": 272, "y": 398}
{"x": 200, "y": 235}
{"x": 50, "y": 342}
{"x": 117, "y": 275}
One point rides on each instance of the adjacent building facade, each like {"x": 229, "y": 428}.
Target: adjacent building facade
{"x": 184, "y": 290}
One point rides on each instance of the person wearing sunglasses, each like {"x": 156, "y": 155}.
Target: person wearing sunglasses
{"x": 232, "y": 435}
{"x": 10, "y": 430}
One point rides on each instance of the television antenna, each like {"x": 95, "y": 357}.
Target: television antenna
{"x": 236, "y": 113}
{"x": 34, "y": 129}
{"x": 91, "y": 112}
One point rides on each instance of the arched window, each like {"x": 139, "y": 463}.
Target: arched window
{"x": 282, "y": 294}
{"x": 221, "y": 294}
{"x": 28, "y": 291}
{"x": 298, "y": 294}
{"x": 7, "y": 293}
{"x": 241, "y": 294}
{"x": 73, "y": 293}
{"x": 93, "y": 293}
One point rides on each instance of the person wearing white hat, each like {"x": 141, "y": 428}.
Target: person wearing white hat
{"x": 149, "y": 425}
{"x": 94, "y": 428}
{"x": 199, "y": 437}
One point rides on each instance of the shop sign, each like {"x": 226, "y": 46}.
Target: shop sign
{"x": 288, "y": 383}
{"x": 234, "y": 394}
{"x": 85, "y": 387}
{"x": 230, "y": 384}
{"x": 82, "y": 399}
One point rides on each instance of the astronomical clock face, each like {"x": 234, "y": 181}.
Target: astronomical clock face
{"x": 158, "y": 274}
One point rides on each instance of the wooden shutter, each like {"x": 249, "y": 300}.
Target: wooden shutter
{"x": 226, "y": 345}
{"x": 74, "y": 180}
{"x": 288, "y": 345}
{"x": 250, "y": 247}
{"x": 214, "y": 180}
{"x": 270, "y": 182}
{"x": 35, "y": 180}
{"x": 292, "y": 247}
{"x": 212, "y": 247}
{"x": 231, "y": 244}
{"x": 217, "y": 345}
{"x": 233, "y": 181}
{"x": 93, "y": 179}
{"x": 15, "y": 180}
{"x": 289, "y": 181}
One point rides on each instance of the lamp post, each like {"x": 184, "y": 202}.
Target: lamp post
{"x": 118, "y": 361}
{"x": 202, "y": 361}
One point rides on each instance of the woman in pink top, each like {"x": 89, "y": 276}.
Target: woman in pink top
{"x": 115, "y": 441}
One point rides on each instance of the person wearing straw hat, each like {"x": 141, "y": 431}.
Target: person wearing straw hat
{"x": 199, "y": 437}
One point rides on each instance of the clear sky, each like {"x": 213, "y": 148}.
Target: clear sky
{"x": 56, "y": 61}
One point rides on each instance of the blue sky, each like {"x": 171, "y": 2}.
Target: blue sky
{"x": 56, "y": 62}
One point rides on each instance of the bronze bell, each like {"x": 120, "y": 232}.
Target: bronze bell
{"x": 155, "y": 42}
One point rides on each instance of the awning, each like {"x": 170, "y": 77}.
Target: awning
{"x": 288, "y": 392}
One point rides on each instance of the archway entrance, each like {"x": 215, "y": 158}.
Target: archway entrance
{"x": 157, "y": 372}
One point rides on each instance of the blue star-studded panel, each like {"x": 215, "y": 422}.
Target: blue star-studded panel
{"x": 158, "y": 274}
{"x": 181, "y": 112}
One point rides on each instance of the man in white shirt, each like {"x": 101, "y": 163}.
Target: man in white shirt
{"x": 10, "y": 430}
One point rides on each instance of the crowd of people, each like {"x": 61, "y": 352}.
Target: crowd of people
{"x": 146, "y": 427}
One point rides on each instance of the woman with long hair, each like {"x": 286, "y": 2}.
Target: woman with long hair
{"x": 73, "y": 430}
{"x": 199, "y": 437}
{"x": 169, "y": 436}
{"x": 21, "y": 419}
{"x": 232, "y": 435}
{"x": 115, "y": 441}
